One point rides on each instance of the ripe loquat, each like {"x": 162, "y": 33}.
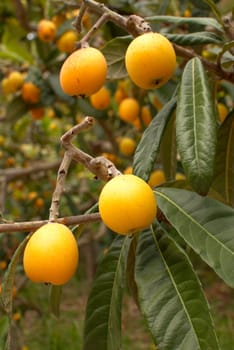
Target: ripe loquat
{"x": 127, "y": 204}
{"x": 150, "y": 60}
{"x": 101, "y": 99}
{"x": 46, "y": 30}
{"x": 84, "y": 72}
{"x": 129, "y": 109}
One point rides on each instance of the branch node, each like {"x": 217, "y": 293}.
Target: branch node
{"x": 136, "y": 25}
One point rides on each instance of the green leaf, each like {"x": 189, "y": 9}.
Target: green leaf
{"x": 13, "y": 44}
{"x": 16, "y": 109}
{"x": 224, "y": 171}
{"x": 150, "y": 141}
{"x": 214, "y": 9}
{"x": 114, "y": 52}
{"x": 168, "y": 150}
{"x": 8, "y": 279}
{"x": 198, "y": 38}
{"x": 225, "y": 57}
{"x": 102, "y": 328}
{"x": 53, "y": 80}
{"x": 4, "y": 325}
{"x": 196, "y": 126}
{"x": 205, "y": 224}
{"x": 55, "y": 298}
{"x": 204, "y": 21}
{"x": 130, "y": 270}
{"x": 85, "y": 106}
{"x": 171, "y": 297}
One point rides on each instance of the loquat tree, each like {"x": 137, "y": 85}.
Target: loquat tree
{"x": 154, "y": 80}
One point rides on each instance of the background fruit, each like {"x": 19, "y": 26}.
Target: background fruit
{"x": 222, "y": 111}
{"x": 30, "y": 92}
{"x": 101, "y": 99}
{"x": 180, "y": 176}
{"x": 37, "y": 113}
{"x": 128, "y": 170}
{"x": 157, "y": 177}
{"x": 129, "y": 109}
{"x": 51, "y": 254}
{"x": 66, "y": 43}
{"x": 127, "y": 146}
{"x": 144, "y": 119}
{"x": 12, "y": 83}
{"x": 150, "y": 60}
{"x": 83, "y": 72}
{"x": 46, "y": 30}
{"x": 127, "y": 204}
{"x": 16, "y": 79}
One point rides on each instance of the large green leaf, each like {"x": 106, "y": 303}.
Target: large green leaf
{"x": 198, "y": 38}
{"x": 130, "y": 270}
{"x": 196, "y": 127}
{"x": 9, "y": 277}
{"x": 114, "y": 52}
{"x": 204, "y": 21}
{"x": 224, "y": 166}
{"x": 170, "y": 296}
{"x": 148, "y": 147}
{"x": 168, "y": 150}
{"x": 103, "y": 313}
{"x": 205, "y": 224}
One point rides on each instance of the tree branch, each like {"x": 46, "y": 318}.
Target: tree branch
{"x": 16, "y": 173}
{"x": 211, "y": 66}
{"x": 101, "y": 167}
{"x": 29, "y": 226}
{"x": 136, "y": 25}
{"x": 21, "y": 14}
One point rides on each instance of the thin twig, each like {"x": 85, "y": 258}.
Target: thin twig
{"x": 29, "y": 226}
{"x": 78, "y": 20}
{"x": 62, "y": 172}
{"x": 16, "y": 173}
{"x": 101, "y": 167}
{"x": 84, "y": 42}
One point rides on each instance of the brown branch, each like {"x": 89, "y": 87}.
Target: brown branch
{"x": 84, "y": 42}
{"x": 136, "y": 25}
{"x": 15, "y": 173}
{"x": 100, "y": 9}
{"x": 21, "y": 14}
{"x": 133, "y": 24}
{"x": 29, "y": 226}
{"x": 78, "y": 20}
{"x": 211, "y": 66}
{"x": 62, "y": 172}
{"x": 3, "y": 186}
{"x": 101, "y": 167}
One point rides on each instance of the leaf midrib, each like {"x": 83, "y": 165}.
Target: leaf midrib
{"x": 113, "y": 288}
{"x": 177, "y": 291}
{"x": 195, "y": 222}
{"x": 227, "y": 179}
{"x": 194, "y": 117}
